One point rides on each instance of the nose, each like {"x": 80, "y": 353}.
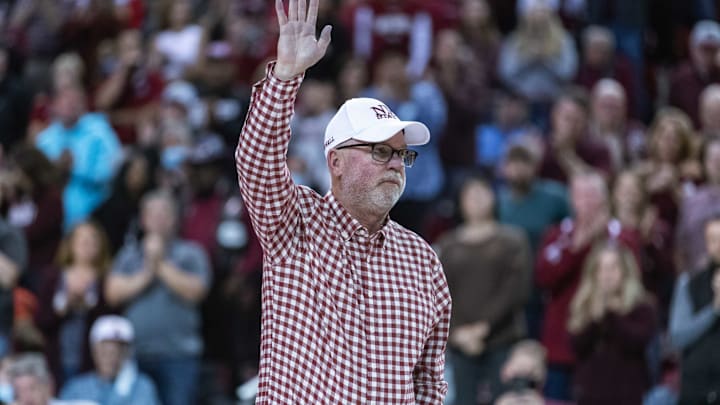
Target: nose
{"x": 396, "y": 162}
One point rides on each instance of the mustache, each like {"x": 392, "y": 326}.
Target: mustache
{"x": 393, "y": 178}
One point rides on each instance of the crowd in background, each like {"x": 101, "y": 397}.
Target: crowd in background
{"x": 571, "y": 189}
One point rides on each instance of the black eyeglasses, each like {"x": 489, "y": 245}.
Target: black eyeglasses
{"x": 383, "y": 153}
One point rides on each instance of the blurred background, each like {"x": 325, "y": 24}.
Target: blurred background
{"x": 571, "y": 189}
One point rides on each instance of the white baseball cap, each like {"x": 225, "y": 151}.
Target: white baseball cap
{"x": 370, "y": 120}
{"x": 705, "y": 32}
{"x": 112, "y": 327}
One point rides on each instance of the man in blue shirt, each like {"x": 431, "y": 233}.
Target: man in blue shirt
{"x": 85, "y": 146}
{"x": 116, "y": 380}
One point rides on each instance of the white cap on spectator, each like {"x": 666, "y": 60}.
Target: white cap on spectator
{"x": 112, "y": 327}
{"x": 525, "y": 6}
{"x": 370, "y": 120}
{"x": 706, "y": 32}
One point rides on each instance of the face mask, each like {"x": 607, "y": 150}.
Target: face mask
{"x": 173, "y": 156}
{"x": 6, "y": 393}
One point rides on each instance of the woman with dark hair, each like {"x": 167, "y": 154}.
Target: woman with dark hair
{"x": 118, "y": 214}
{"x": 488, "y": 270}
{"x": 35, "y": 206}
{"x": 72, "y": 299}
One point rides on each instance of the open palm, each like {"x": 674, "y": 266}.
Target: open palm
{"x": 297, "y": 48}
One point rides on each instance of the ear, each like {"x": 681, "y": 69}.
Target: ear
{"x": 335, "y": 163}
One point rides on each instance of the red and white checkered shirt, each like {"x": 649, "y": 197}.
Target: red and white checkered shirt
{"x": 348, "y": 317}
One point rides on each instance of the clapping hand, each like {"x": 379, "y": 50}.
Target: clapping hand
{"x": 297, "y": 48}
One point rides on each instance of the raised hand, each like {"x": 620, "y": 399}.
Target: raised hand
{"x": 297, "y": 48}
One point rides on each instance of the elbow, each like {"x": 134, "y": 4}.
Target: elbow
{"x": 194, "y": 294}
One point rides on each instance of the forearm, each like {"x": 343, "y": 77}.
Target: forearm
{"x": 189, "y": 287}
{"x": 265, "y": 182}
{"x": 122, "y": 288}
{"x": 687, "y": 326}
{"x": 110, "y": 91}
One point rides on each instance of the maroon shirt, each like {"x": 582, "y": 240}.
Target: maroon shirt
{"x": 591, "y": 152}
{"x": 686, "y": 85}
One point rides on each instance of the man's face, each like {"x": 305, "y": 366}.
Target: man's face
{"x": 712, "y": 162}
{"x": 712, "y": 240}
{"x": 30, "y": 390}
{"x": 587, "y": 199}
{"x": 519, "y": 174}
{"x": 109, "y": 356}
{"x": 69, "y": 106}
{"x": 368, "y": 184}
{"x": 608, "y": 109}
{"x": 710, "y": 115}
{"x": 568, "y": 120}
{"x": 158, "y": 216}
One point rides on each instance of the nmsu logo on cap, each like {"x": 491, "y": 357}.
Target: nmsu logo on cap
{"x": 329, "y": 141}
{"x": 383, "y": 112}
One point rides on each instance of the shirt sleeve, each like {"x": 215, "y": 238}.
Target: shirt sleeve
{"x": 685, "y": 326}
{"x": 265, "y": 182}
{"x": 428, "y": 376}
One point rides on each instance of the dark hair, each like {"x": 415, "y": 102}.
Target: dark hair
{"x": 576, "y": 95}
{"x": 31, "y": 161}
{"x": 520, "y": 153}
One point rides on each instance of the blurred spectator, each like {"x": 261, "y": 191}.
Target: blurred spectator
{"x": 179, "y": 44}
{"x": 559, "y": 268}
{"x": 539, "y": 58}
{"x": 160, "y": 283}
{"x": 694, "y": 326}
{"x": 306, "y": 158}
{"x": 329, "y": 66}
{"x": 37, "y": 208}
{"x": 631, "y": 206}
{"x": 526, "y": 201}
{"x": 15, "y": 103}
{"x": 612, "y": 321}
{"x": 533, "y": 205}
{"x": 116, "y": 379}
{"x": 464, "y": 79}
{"x": 87, "y": 25}
{"x": 31, "y": 381}
{"x": 600, "y": 61}
{"x": 691, "y": 77}
{"x": 479, "y": 31}
{"x": 487, "y": 266}
{"x": 380, "y": 26}
{"x": 130, "y": 92}
{"x": 696, "y": 209}
{"x": 610, "y": 124}
{"x": 33, "y": 27}
{"x": 570, "y": 150}
{"x": 224, "y": 98}
{"x": 413, "y": 101}
{"x": 71, "y": 298}
{"x": 351, "y": 80}
{"x": 508, "y": 127}
{"x": 13, "y": 261}
{"x": 204, "y": 164}
{"x": 523, "y": 375}
{"x": 86, "y": 148}
{"x": 118, "y": 215}
{"x": 181, "y": 103}
{"x": 710, "y": 111}
{"x": 668, "y": 168}
{"x": 68, "y": 70}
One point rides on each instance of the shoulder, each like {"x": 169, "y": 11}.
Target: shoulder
{"x": 552, "y": 188}
{"x": 512, "y": 234}
{"x": 78, "y": 385}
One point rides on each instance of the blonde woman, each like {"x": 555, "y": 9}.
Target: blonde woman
{"x": 612, "y": 320}
{"x": 539, "y": 58}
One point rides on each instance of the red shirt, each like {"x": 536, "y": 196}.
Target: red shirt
{"x": 348, "y": 317}
{"x": 558, "y": 272}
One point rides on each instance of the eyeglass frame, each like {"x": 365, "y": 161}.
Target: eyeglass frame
{"x": 399, "y": 152}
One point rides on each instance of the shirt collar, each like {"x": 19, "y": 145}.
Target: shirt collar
{"x": 348, "y": 226}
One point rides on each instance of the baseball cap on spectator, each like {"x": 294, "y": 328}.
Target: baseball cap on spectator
{"x": 370, "y": 120}
{"x": 706, "y": 32}
{"x": 112, "y": 327}
{"x": 182, "y": 94}
{"x": 525, "y": 6}
{"x": 208, "y": 149}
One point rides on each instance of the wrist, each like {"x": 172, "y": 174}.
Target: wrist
{"x": 284, "y": 73}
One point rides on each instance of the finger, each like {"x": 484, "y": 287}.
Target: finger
{"x": 302, "y": 10}
{"x": 324, "y": 40}
{"x": 292, "y": 11}
{"x": 280, "y": 11}
{"x": 312, "y": 12}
